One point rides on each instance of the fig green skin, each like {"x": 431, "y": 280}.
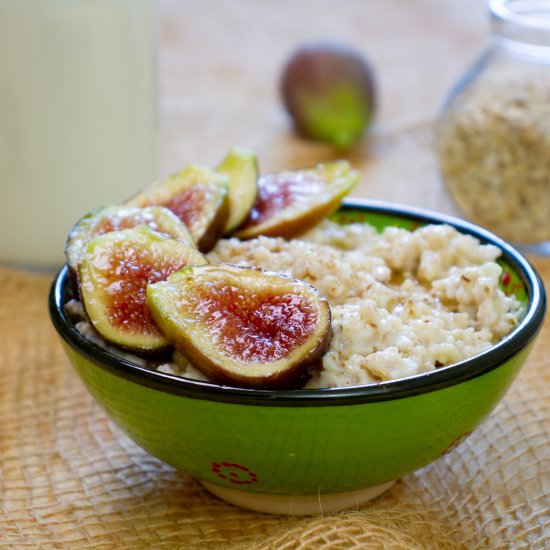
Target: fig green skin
{"x": 172, "y": 307}
{"x": 241, "y": 166}
{"x": 100, "y": 277}
{"x": 122, "y": 217}
{"x": 303, "y": 214}
{"x": 210, "y": 217}
{"x": 329, "y": 91}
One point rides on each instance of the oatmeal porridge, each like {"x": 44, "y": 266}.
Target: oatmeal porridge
{"x": 402, "y": 302}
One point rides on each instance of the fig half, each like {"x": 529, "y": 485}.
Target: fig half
{"x": 243, "y": 326}
{"x": 198, "y": 197}
{"x": 117, "y": 217}
{"x": 241, "y": 166}
{"x": 291, "y": 202}
{"x": 113, "y": 274}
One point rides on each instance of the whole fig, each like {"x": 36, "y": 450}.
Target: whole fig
{"x": 329, "y": 91}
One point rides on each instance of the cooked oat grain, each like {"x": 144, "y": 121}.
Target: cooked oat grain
{"x": 402, "y": 302}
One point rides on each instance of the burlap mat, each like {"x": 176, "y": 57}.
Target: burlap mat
{"x": 69, "y": 479}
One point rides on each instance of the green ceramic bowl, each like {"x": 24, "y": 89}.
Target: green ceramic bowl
{"x": 306, "y": 451}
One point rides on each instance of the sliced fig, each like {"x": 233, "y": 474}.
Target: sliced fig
{"x": 117, "y": 217}
{"x": 198, "y": 196}
{"x": 241, "y": 166}
{"x": 291, "y": 202}
{"x": 243, "y": 326}
{"x": 113, "y": 274}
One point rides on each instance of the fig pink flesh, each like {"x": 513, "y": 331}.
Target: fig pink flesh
{"x": 254, "y": 327}
{"x": 126, "y": 279}
{"x": 188, "y": 204}
{"x": 114, "y": 224}
{"x": 278, "y": 191}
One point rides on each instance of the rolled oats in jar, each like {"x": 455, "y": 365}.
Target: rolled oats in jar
{"x": 494, "y": 133}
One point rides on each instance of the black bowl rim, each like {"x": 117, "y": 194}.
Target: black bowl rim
{"x": 457, "y": 373}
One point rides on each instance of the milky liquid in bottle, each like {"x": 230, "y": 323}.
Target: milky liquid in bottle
{"x": 78, "y": 117}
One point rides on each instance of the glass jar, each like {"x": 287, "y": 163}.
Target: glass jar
{"x": 493, "y": 136}
{"x": 78, "y": 117}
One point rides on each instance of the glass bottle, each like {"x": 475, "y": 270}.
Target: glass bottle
{"x": 493, "y": 136}
{"x": 78, "y": 117}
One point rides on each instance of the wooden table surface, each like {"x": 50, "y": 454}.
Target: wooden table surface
{"x": 70, "y": 479}
{"x": 220, "y": 67}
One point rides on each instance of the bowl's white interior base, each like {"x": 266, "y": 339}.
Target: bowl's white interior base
{"x": 300, "y": 505}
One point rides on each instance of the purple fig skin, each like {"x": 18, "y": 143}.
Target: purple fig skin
{"x": 329, "y": 90}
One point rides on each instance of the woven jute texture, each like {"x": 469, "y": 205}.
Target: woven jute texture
{"x": 70, "y": 479}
